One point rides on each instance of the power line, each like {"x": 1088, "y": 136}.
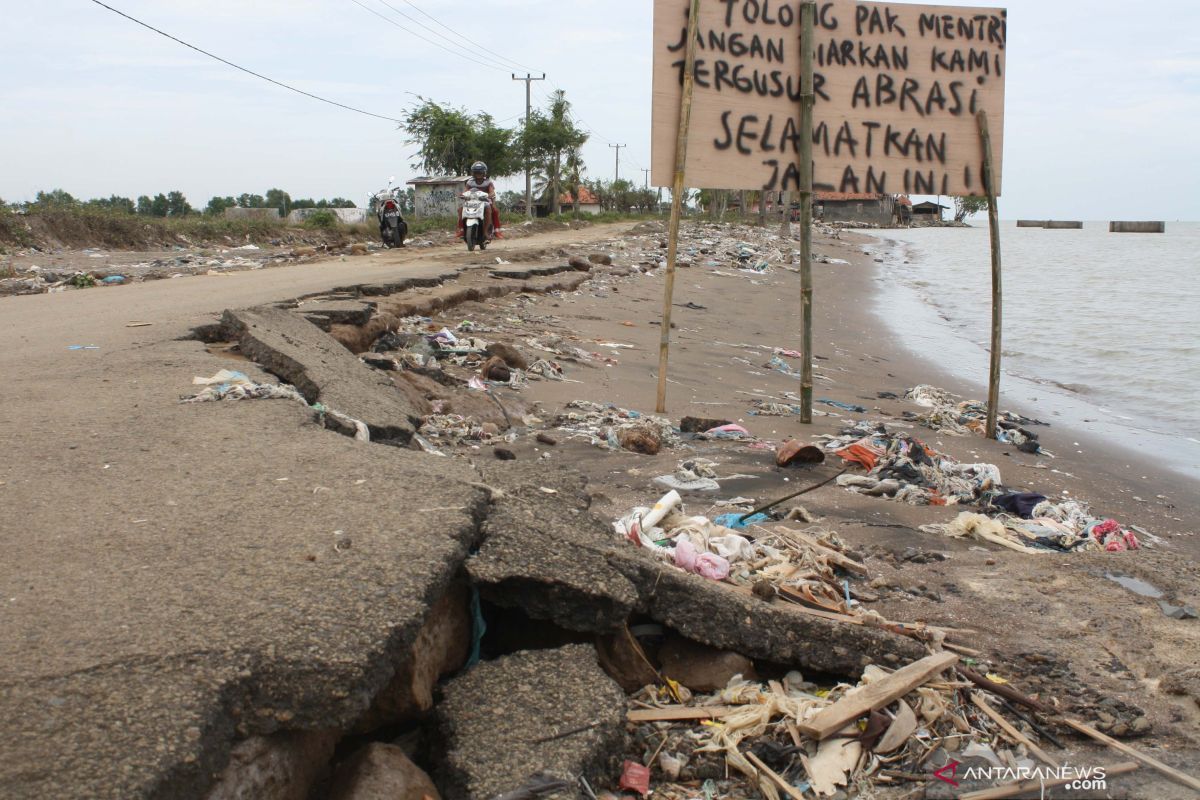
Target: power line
{"x": 411, "y": 32}
{"x": 458, "y": 34}
{"x": 247, "y": 71}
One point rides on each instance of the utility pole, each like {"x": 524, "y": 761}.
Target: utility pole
{"x": 647, "y": 177}
{"x": 617, "y": 147}
{"x": 529, "y": 79}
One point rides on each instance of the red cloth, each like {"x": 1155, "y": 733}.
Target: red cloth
{"x": 635, "y": 778}
{"x": 859, "y": 453}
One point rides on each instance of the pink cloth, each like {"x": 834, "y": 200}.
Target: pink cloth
{"x": 706, "y": 565}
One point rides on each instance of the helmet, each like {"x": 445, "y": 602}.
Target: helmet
{"x": 479, "y": 166}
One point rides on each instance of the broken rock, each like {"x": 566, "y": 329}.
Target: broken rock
{"x": 642, "y": 439}
{"x": 381, "y": 772}
{"x": 702, "y": 668}
{"x": 508, "y": 354}
{"x": 545, "y": 711}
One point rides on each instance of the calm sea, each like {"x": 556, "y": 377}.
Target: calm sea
{"x": 1101, "y": 330}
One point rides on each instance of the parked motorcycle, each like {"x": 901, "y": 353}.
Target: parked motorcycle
{"x": 477, "y": 219}
{"x": 392, "y": 227}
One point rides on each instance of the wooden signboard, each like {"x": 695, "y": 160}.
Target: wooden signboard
{"x": 897, "y": 88}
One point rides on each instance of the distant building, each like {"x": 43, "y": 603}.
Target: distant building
{"x": 928, "y": 211}
{"x": 437, "y": 196}
{"x": 587, "y": 204}
{"x": 875, "y": 209}
{"x": 237, "y": 212}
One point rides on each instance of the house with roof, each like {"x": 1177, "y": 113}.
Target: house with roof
{"x": 928, "y": 212}
{"x": 865, "y": 207}
{"x": 586, "y": 203}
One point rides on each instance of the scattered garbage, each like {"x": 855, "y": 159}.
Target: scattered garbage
{"x": 950, "y": 415}
{"x": 903, "y": 468}
{"x": 613, "y": 428}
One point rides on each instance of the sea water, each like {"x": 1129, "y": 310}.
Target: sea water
{"x": 1102, "y": 329}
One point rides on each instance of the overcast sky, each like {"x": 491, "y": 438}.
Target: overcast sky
{"x": 1103, "y": 97}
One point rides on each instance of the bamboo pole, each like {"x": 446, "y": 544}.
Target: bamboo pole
{"x": 807, "y": 22}
{"x": 989, "y": 186}
{"x": 681, "y": 143}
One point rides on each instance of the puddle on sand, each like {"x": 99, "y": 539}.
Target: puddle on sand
{"x": 1136, "y": 586}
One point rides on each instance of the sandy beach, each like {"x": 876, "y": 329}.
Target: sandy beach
{"x": 1051, "y": 621}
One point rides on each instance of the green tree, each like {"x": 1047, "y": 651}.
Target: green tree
{"x": 341, "y": 202}
{"x": 57, "y": 197}
{"x": 121, "y": 205}
{"x": 251, "y": 201}
{"x": 451, "y": 139}
{"x": 177, "y": 205}
{"x": 968, "y": 206}
{"x": 551, "y": 138}
{"x": 160, "y": 206}
{"x": 278, "y": 198}
{"x": 145, "y": 206}
{"x": 216, "y": 206}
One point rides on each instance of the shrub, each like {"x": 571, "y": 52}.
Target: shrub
{"x": 322, "y": 220}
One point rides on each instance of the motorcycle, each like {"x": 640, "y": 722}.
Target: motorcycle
{"x": 477, "y": 218}
{"x": 392, "y": 227}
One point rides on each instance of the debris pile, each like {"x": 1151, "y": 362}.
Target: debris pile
{"x": 613, "y": 428}
{"x": 951, "y": 415}
{"x": 901, "y": 467}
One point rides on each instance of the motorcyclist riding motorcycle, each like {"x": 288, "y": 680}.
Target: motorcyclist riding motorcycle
{"x": 480, "y": 182}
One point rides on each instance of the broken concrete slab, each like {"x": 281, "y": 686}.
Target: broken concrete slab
{"x": 300, "y": 353}
{"x": 337, "y": 312}
{"x": 526, "y": 272}
{"x": 544, "y": 553}
{"x": 381, "y": 772}
{"x": 542, "y": 711}
{"x": 440, "y": 648}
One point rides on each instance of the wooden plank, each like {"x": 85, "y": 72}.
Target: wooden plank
{"x": 1014, "y": 735}
{"x": 875, "y": 696}
{"x": 1014, "y": 789}
{"x": 680, "y": 713}
{"x": 776, "y": 778}
{"x": 1149, "y": 761}
{"x": 745, "y": 132}
{"x": 841, "y": 559}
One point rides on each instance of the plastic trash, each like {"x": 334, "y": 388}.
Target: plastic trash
{"x": 696, "y": 484}
{"x": 706, "y": 565}
{"x": 733, "y": 521}
{"x": 113, "y": 280}
{"x": 663, "y": 507}
{"x": 857, "y": 409}
{"x": 222, "y": 378}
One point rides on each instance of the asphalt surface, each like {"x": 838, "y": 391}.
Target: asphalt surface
{"x": 175, "y": 576}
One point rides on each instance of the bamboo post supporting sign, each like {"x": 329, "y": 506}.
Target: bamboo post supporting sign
{"x": 681, "y": 148}
{"x": 893, "y": 108}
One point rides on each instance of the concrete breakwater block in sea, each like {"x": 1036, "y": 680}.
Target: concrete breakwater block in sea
{"x": 1063, "y": 225}
{"x": 1031, "y": 223}
{"x": 1137, "y": 227}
